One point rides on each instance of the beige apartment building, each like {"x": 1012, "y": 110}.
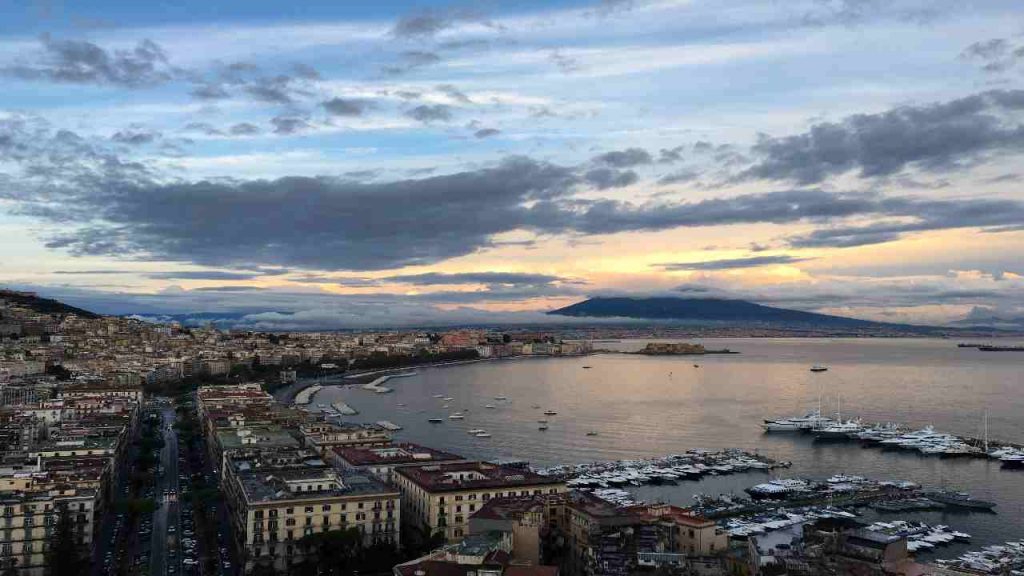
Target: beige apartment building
{"x": 278, "y": 497}
{"x": 442, "y": 497}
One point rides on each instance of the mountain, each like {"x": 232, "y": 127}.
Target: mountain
{"x": 719, "y": 310}
{"x": 43, "y": 305}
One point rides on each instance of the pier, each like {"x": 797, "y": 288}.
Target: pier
{"x": 305, "y": 396}
{"x": 344, "y": 409}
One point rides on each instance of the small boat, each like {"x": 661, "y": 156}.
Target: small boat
{"x": 696, "y": 365}
{"x": 542, "y": 427}
{"x": 587, "y": 367}
{"x": 536, "y": 407}
{"x": 475, "y": 431}
{"x": 448, "y": 398}
{"x": 550, "y": 413}
{"x": 591, "y": 433}
{"x": 501, "y": 398}
{"x": 456, "y": 416}
{"x": 819, "y": 368}
{"x": 438, "y": 395}
{"x": 435, "y": 420}
{"x": 491, "y": 406}
{"x": 482, "y": 435}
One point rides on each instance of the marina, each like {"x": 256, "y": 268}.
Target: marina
{"x": 1007, "y": 558}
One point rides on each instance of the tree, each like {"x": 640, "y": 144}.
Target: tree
{"x": 64, "y": 556}
{"x": 332, "y": 553}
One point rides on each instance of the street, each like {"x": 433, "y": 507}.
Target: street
{"x": 166, "y": 548}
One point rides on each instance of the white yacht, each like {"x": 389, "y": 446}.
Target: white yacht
{"x": 456, "y": 416}
{"x": 810, "y": 421}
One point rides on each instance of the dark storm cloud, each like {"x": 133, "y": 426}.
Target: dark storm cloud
{"x": 931, "y": 138}
{"x": 627, "y": 158}
{"x": 427, "y": 113}
{"x": 730, "y": 263}
{"x": 82, "y": 62}
{"x": 346, "y": 106}
{"x": 439, "y": 278}
{"x": 319, "y": 223}
{"x": 486, "y": 132}
{"x": 605, "y": 178}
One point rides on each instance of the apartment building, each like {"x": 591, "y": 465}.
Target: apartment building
{"x": 278, "y": 497}
{"x": 382, "y": 461}
{"x": 442, "y": 497}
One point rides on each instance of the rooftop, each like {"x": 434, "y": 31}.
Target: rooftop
{"x": 398, "y": 453}
{"x": 471, "y": 476}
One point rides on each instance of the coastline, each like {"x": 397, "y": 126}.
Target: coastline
{"x": 288, "y": 394}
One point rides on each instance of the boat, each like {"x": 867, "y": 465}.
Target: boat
{"x": 501, "y": 398}
{"x": 696, "y": 365}
{"x": 959, "y": 500}
{"x": 491, "y": 406}
{"x": 438, "y": 395}
{"x": 435, "y": 420}
{"x": 587, "y": 367}
{"x": 811, "y": 421}
{"x": 536, "y": 407}
{"x": 550, "y": 413}
{"x": 448, "y": 398}
{"x": 475, "y": 431}
{"x": 456, "y": 416}
{"x": 542, "y": 427}
{"x": 542, "y": 421}
{"x": 482, "y": 435}
{"x": 819, "y": 368}
{"x": 591, "y": 433}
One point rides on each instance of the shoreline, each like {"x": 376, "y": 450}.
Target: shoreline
{"x": 288, "y": 394}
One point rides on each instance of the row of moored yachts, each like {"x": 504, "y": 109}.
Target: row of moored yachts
{"x": 691, "y": 465}
{"x": 926, "y": 440}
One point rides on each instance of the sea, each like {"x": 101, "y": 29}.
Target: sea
{"x": 649, "y": 406}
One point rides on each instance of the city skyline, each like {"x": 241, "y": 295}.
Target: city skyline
{"x": 350, "y": 166}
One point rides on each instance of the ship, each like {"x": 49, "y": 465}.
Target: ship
{"x": 819, "y": 368}
{"x": 959, "y": 500}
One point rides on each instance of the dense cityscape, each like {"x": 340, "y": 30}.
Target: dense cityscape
{"x": 138, "y": 448}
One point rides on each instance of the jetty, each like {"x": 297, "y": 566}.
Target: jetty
{"x": 305, "y": 396}
{"x": 377, "y": 385}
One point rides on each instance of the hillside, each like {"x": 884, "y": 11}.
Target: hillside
{"x": 43, "y": 305}
{"x": 711, "y": 310}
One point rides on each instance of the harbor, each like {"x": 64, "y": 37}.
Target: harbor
{"x": 926, "y": 441}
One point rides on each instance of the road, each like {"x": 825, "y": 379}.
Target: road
{"x": 166, "y": 554}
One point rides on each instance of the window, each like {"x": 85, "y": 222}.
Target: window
{"x": 289, "y": 511}
{"x": 458, "y": 508}
{"x": 326, "y": 508}
{"x": 472, "y": 507}
{"x": 309, "y": 509}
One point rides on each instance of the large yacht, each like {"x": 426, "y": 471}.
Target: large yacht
{"x": 811, "y": 421}
{"x": 839, "y": 430}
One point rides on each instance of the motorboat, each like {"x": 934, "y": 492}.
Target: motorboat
{"x": 435, "y": 420}
{"x": 456, "y": 416}
{"x": 550, "y": 413}
{"x": 819, "y": 368}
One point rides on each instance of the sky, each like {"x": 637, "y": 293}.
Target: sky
{"x": 350, "y": 164}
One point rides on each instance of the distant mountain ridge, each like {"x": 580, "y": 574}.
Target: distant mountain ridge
{"x": 712, "y": 310}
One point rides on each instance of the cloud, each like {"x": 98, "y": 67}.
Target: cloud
{"x": 730, "y": 263}
{"x": 605, "y": 178}
{"x": 411, "y": 60}
{"x": 211, "y": 275}
{"x": 627, "y": 158}
{"x": 208, "y": 91}
{"x": 428, "y": 23}
{"x": 679, "y": 177}
{"x": 427, "y": 113}
{"x": 280, "y": 89}
{"x": 486, "y": 132}
{"x": 289, "y": 124}
{"x": 136, "y": 136}
{"x": 994, "y": 55}
{"x": 931, "y": 138}
{"x": 440, "y": 278}
{"x": 670, "y": 155}
{"x": 82, "y": 62}
{"x": 346, "y": 106}
{"x": 244, "y": 129}
{"x": 321, "y": 223}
